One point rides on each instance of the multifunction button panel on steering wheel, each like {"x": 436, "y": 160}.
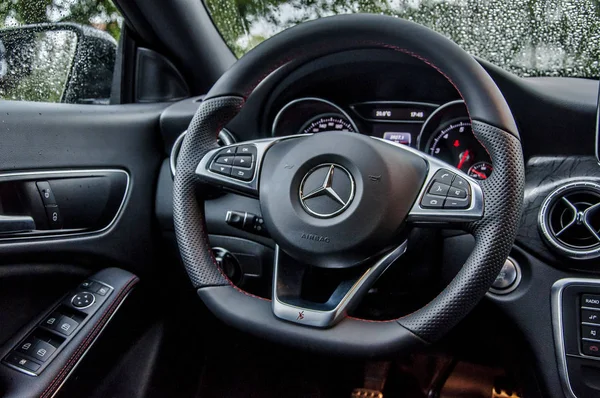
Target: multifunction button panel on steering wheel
{"x": 448, "y": 191}
{"x": 238, "y": 162}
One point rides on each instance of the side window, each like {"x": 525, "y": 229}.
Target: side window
{"x": 58, "y": 50}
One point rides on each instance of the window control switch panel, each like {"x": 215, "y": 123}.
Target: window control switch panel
{"x": 58, "y": 327}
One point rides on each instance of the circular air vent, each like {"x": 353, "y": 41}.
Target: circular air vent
{"x": 225, "y": 138}
{"x": 570, "y": 220}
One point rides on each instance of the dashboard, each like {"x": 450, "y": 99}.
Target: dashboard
{"x": 440, "y": 130}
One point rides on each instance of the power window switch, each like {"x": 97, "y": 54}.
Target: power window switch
{"x": 43, "y": 350}
{"x": 21, "y": 362}
{"x": 66, "y": 325}
{"x": 46, "y": 193}
{"x": 52, "y": 320}
{"x": 27, "y": 346}
{"x": 54, "y": 218}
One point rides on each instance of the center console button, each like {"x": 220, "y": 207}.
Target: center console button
{"x": 590, "y": 332}
{"x": 590, "y": 316}
{"x": 590, "y": 301}
{"x": 591, "y": 348}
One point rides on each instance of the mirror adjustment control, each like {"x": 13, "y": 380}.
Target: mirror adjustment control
{"x": 54, "y": 219}
{"x": 83, "y": 300}
{"x": 46, "y": 193}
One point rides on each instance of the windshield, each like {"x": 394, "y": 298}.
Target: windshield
{"x": 526, "y": 37}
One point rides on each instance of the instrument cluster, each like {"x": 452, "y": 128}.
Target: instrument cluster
{"x": 443, "y": 131}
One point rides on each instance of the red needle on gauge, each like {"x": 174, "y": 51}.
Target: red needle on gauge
{"x": 463, "y": 159}
{"x": 480, "y": 174}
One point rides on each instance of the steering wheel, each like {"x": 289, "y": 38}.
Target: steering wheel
{"x": 344, "y": 201}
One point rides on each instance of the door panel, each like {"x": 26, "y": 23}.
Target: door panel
{"x": 42, "y": 137}
{"x": 84, "y": 153}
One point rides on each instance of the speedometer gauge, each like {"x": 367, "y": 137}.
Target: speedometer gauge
{"x": 455, "y": 144}
{"x": 323, "y": 123}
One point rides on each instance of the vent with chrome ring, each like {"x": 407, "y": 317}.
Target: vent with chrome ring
{"x": 225, "y": 138}
{"x": 570, "y": 220}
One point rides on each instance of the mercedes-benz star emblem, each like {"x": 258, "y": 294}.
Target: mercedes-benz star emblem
{"x": 326, "y": 190}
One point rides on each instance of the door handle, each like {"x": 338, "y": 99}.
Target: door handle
{"x": 14, "y": 224}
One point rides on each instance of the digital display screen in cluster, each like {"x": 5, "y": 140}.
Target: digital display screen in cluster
{"x": 401, "y": 133}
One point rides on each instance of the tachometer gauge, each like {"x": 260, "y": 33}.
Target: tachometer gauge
{"x": 455, "y": 144}
{"x": 323, "y": 123}
{"x": 480, "y": 170}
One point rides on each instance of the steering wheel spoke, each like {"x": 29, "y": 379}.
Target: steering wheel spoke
{"x": 290, "y": 278}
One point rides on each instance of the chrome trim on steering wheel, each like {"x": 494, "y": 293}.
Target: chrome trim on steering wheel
{"x": 327, "y": 318}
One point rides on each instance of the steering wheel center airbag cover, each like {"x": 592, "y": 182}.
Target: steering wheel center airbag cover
{"x": 371, "y": 195}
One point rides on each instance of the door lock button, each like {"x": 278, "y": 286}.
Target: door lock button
{"x": 54, "y": 218}
{"x": 46, "y": 193}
